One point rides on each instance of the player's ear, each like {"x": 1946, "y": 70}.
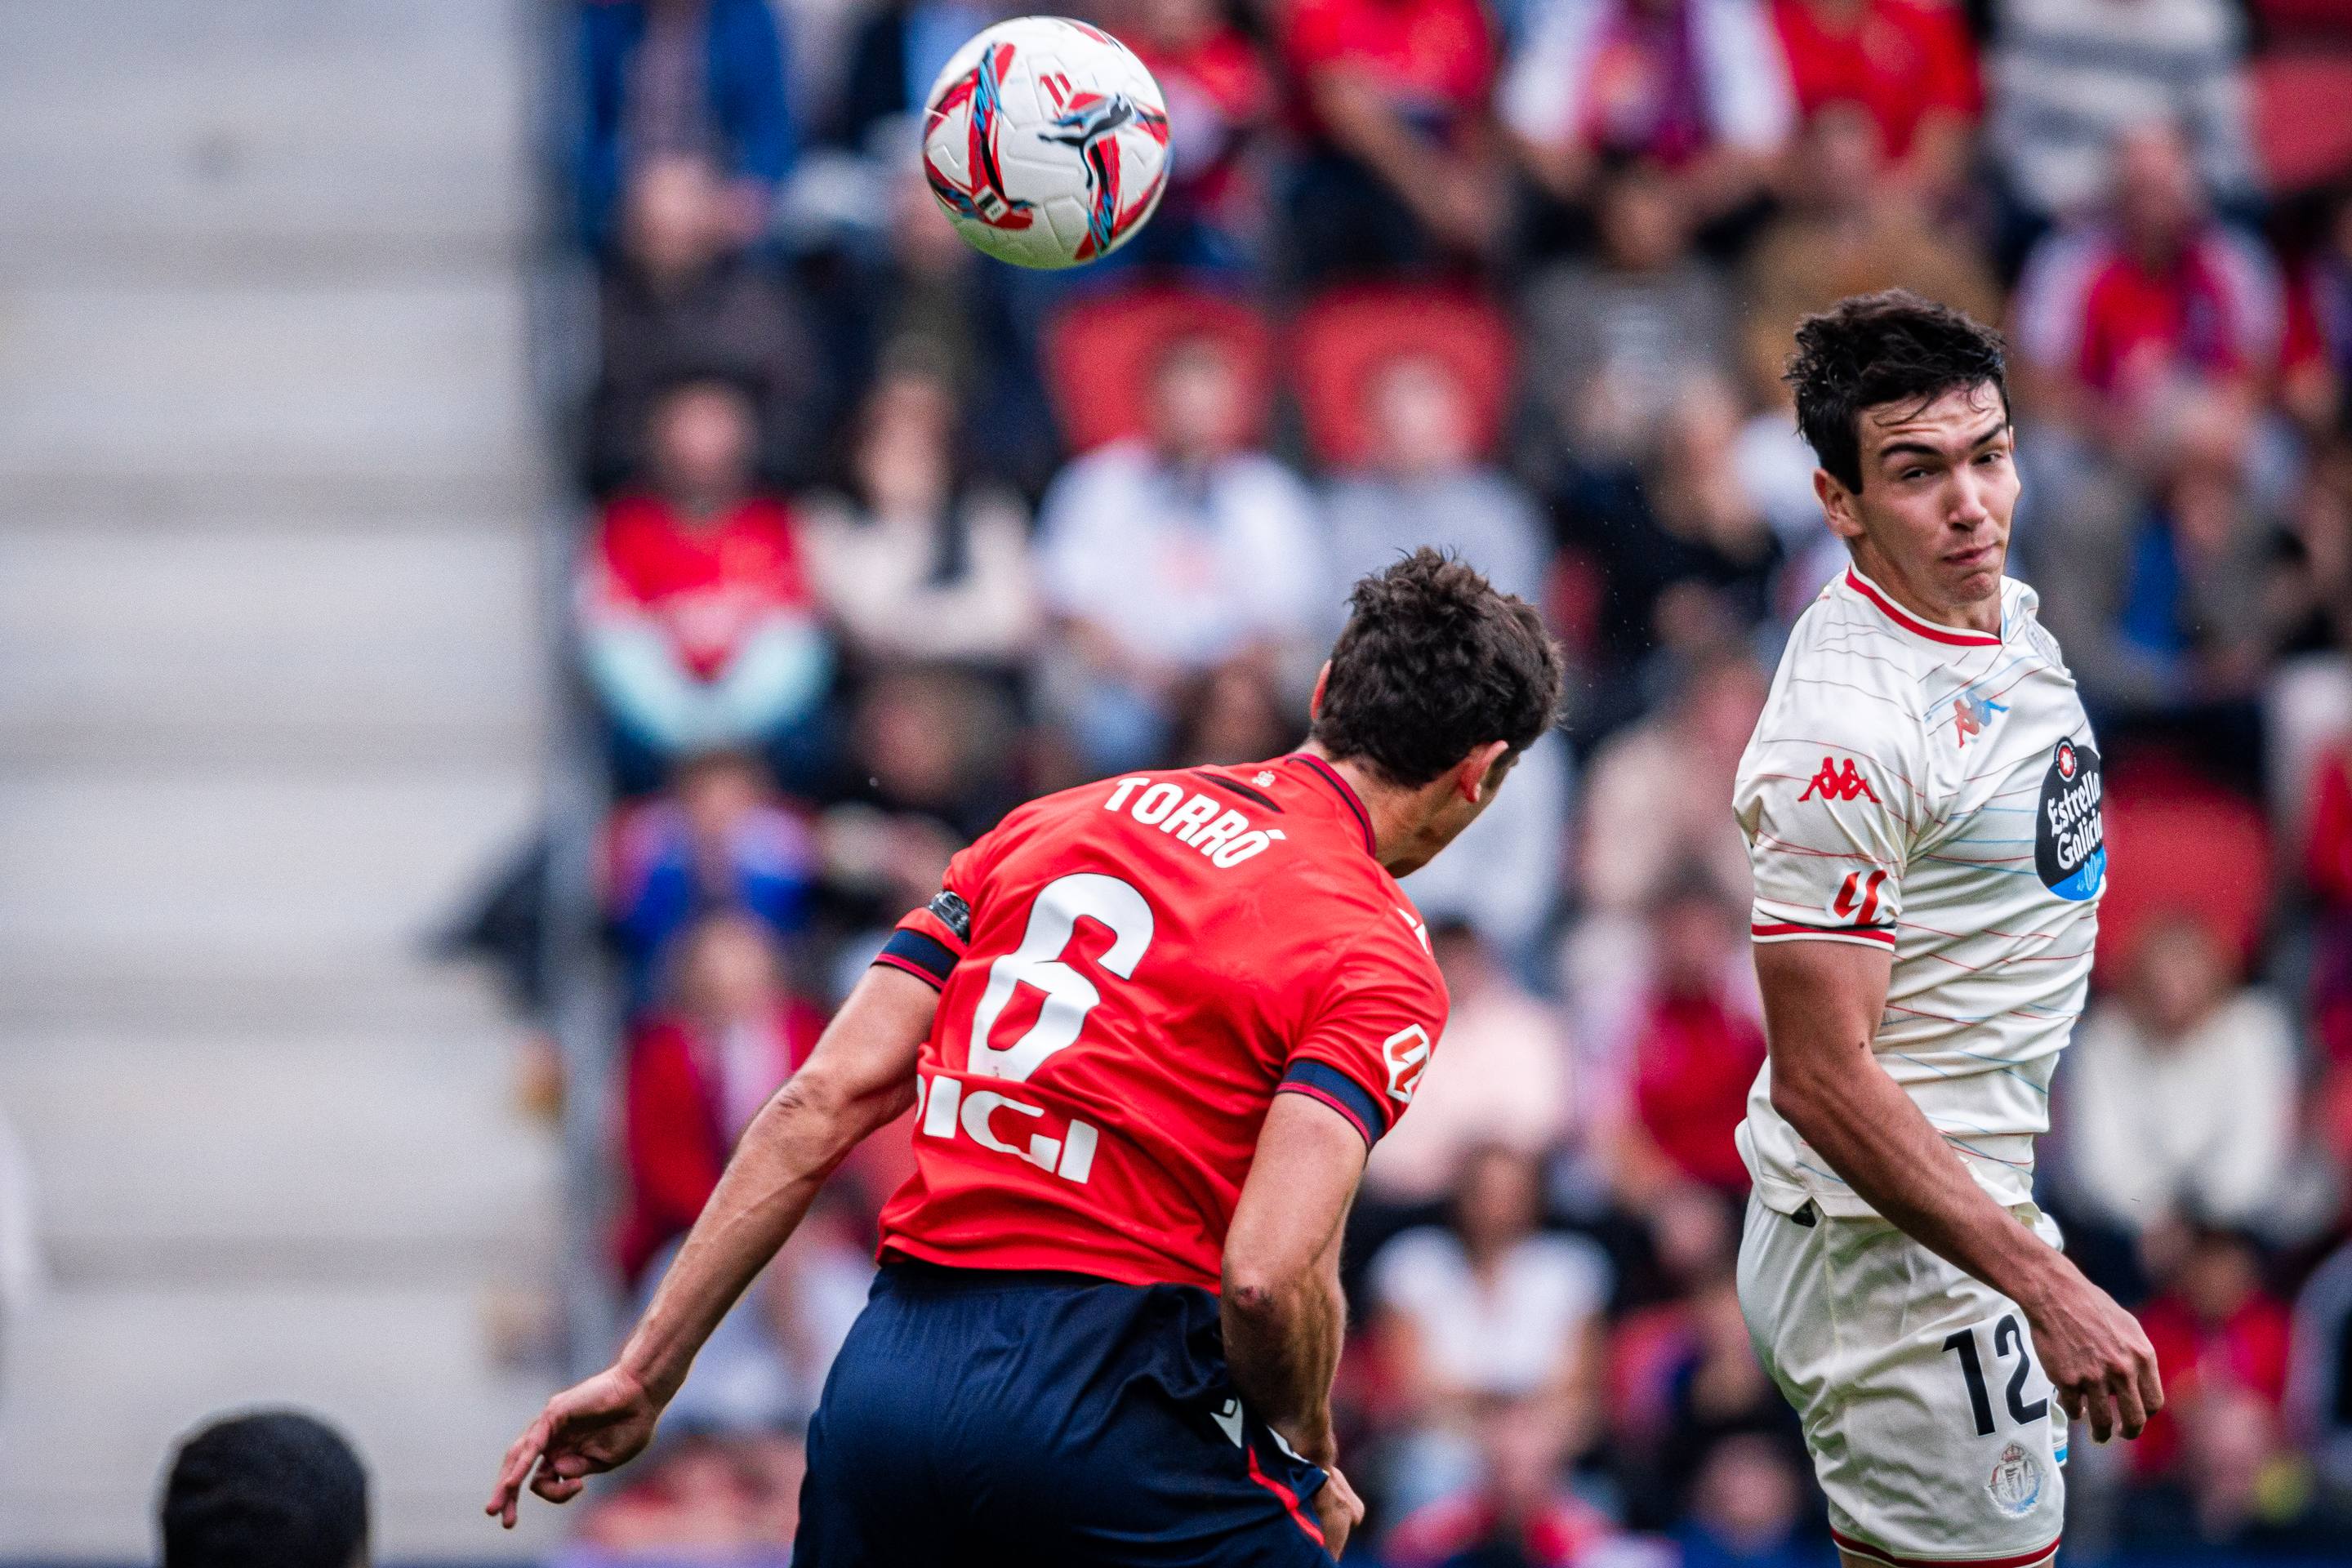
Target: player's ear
{"x": 1837, "y": 505}
{"x": 1476, "y": 776}
{"x": 1314, "y": 703}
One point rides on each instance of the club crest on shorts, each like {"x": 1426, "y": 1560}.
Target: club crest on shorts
{"x": 2016, "y": 1483}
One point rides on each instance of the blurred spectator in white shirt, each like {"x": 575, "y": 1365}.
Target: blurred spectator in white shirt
{"x": 917, "y": 563}
{"x": 2179, "y": 1097}
{"x": 1492, "y": 1307}
{"x": 1698, "y": 87}
{"x": 1164, "y": 557}
{"x": 1503, "y": 1077}
{"x": 2066, "y": 78}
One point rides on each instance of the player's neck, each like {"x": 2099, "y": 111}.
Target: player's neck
{"x": 1968, "y": 615}
{"x": 1397, "y": 827}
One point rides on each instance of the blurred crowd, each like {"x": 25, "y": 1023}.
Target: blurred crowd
{"x": 879, "y": 537}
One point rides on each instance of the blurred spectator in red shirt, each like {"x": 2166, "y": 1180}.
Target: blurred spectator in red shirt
{"x": 1401, "y": 170}
{"x": 1910, "y": 64}
{"x": 1221, "y": 96}
{"x": 716, "y": 839}
{"x": 2216, "y": 1331}
{"x": 1697, "y": 1051}
{"x": 2121, "y": 321}
{"x": 1698, "y": 87}
{"x": 698, "y": 626}
{"x": 684, "y": 298}
{"x": 1520, "y": 1510}
{"x": 699, "y": 1072}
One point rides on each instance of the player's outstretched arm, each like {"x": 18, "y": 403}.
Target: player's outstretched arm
{"x": 860, "y": 1076}
{"x": 1283, "y": 1313}
{"x": 1822, "y": 1002}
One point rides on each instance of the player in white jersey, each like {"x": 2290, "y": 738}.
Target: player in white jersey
{"x": 1921, "y": 803}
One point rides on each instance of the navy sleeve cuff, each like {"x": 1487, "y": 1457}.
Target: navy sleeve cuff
{"x": 924, "y": 956}
{"x": 1343, "y": 1094}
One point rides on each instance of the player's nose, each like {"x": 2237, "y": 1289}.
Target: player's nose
{"x": 1968, "y": 507}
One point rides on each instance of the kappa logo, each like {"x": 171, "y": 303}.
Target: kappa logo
{"x": 1971, "y": 714}
{"x": 1406, "y": 1054}
{"x": 1836, "y": 783}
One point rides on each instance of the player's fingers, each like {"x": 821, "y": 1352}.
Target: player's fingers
{"x": 2151, "y": 1382}
{"x": 2131, "y": 1416}
{"x": 2098, "y": 1412}
{"x": 554, "y": 1488}
{"x": 519, "y": 1459}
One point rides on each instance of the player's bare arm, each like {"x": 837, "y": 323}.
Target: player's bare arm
{"x": 861, "y": 1075}
{"x": 1822, "y": 1004}
{"x": 1283, "y": 1313}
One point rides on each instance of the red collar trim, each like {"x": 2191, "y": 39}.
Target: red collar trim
{"x": 1913, "y": 624}
{"x": 1341, "y": 787}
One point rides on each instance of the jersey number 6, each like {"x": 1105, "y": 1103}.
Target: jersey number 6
{"x": 1037, "y": 963}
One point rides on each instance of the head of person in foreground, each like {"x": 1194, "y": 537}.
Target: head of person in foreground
{"x": 1905, "y": 406}
{"x": 1437, "y": 684}
{"x": 270, "y": 1489}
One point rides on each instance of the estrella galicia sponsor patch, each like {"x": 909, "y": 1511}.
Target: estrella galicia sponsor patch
{"x": 2016, "y": 1482}
{"x": 2070, "y": 839}
{"x": 953, "y": 913}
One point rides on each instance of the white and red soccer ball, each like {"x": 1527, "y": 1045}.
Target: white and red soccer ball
{"x": 1046, "y": 142}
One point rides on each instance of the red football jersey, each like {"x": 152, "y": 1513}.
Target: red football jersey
{"x": 1129, "y": 972}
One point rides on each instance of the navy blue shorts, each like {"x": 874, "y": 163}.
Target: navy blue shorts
{"x": 982, "y": 1418}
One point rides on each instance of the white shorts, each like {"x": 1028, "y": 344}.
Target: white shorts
{"x": 1930, "y": 1421}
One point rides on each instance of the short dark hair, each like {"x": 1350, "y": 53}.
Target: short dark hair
{"x": 272, "y": 1489}
{"x": 1434, "y": 664}
{"x": 1890, "y": 347}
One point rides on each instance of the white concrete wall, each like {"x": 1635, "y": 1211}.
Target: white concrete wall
{"x": 272, "y": 691}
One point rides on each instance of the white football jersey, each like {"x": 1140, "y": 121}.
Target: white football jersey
{"x": 1934, "y": 792}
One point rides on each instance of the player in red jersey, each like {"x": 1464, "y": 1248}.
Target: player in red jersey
{"x": 1153, "y": 1027}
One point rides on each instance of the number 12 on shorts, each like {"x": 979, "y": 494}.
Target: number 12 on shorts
{"x": 2008, "y": 1339}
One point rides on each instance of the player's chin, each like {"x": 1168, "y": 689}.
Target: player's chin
{"x": 1975, "y": 576}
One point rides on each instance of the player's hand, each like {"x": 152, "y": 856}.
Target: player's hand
{"x": 2098, "y": 1359}
{"x": 1337, "y": 1509}
{"x": 590, "y": 1428}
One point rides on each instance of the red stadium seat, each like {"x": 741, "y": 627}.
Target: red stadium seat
{"x": 2175, "y": 842}
{"x": 1098, "y": 355}
{"x": 2302, "y": 122}
{"x": 1341, "y": 338}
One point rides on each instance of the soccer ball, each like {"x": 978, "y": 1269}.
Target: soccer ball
{"x": 1046, "y": 142}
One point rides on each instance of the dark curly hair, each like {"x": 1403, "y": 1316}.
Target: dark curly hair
{"x": 273, "y": 1488}
{"x": 1891, "y": 347}
{"x": 1434, "y": 664}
